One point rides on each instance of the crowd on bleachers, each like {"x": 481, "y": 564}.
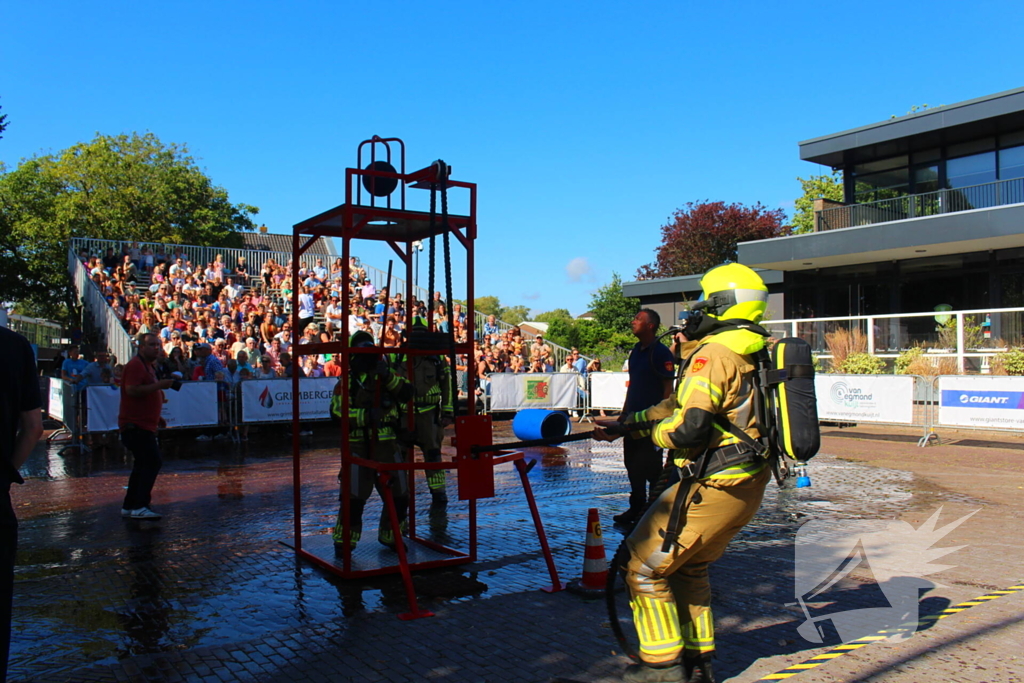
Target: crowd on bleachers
{"x": 244, "y": 316}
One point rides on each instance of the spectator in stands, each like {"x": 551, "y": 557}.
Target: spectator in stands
{"x": 320, "y": 270}
{"x": 491, "y": 326}
{"x": 390, "y": 336}
{"x": 267, "y": 273}
{"x": 273, "y": 353}
{"x": 72, "y": 369}
{"x": 177, "y": 362}
{"x": 147, "y": 259}
{"x": 252, "y": 352}
{"x": 93, "y": 373}
{"x": 368, "y": 293}
{"x": 311, "y": 366}
{"x": 441, "y": 319}
{"x": 266, "y": 370}
{"x": 220, "y": 351}
{"x": 334, "y": 315}
{"x": 285, "y": 368}
{"x": 307, "y": 307}
{"x": 336, "y": 268}
{"x": 241, "y": 268}
{"x": 332, "y": 368}
{"x": 212, "y": 370}
{"x": 110, "y": 260}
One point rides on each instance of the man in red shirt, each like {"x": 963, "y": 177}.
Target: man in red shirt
{"x": 142, "y": 399}
{"x": 332, "y": 368}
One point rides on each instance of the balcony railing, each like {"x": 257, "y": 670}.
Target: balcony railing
{"x": 999, "y": 193}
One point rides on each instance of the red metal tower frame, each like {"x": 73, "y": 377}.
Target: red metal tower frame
{"x": 399, "y": 227}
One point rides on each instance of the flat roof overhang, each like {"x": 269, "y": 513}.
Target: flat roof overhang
{"x": 675, "y": 286}
{"x": 989, "y": 115}
{"x": 952, "y": 233}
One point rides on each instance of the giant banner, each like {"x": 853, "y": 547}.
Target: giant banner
{"x": 512, "y": 391}
{"x": 991, "y": 402}
{"x": 608, "y": 389}
{"x": 194, "y": 405}
{"x": 865, "y": 398}
{"x": 270, "y": 400}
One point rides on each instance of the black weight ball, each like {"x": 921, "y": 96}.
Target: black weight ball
{"x": 380, "y": 187}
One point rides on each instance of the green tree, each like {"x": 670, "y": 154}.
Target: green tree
{"x": 3, "y": 124}
{"x": 513, "y": 315}
{"x": 124, "y": 187}
{"x": 488, "y": 305}
{"x": 815, "y": 187}
{"x": 613, "y": 310}
{"x": 557, "y": 314}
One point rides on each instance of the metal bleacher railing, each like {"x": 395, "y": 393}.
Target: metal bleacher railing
{"x": 115, "y": 337}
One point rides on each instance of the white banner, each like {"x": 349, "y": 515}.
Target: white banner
{"x": 608, "y": 389}
{"x": 62, "y": 400}
{"x": 195, "y": 405}
{"x": 270, "y": 400}
{"x": 102, "y": 404}
{"x": 865, "y": 398}
{"x": 991, "y": 402}
{"x": 512, "y": 391}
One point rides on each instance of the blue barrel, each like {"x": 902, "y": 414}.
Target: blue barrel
{"x": 537, "y": 423}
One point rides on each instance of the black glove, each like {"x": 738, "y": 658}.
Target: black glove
{"x": 383, "y": 369}
{"x": 376, "y": 415}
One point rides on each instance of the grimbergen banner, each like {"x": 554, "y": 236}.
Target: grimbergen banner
{"x": 271, "y": 400}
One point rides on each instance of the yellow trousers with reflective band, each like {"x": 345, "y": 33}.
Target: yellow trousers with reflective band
{"x": 669, "y": 592}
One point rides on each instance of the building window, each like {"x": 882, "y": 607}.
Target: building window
{"x": 976, "y": 169}
{"x": 1011, "y": 163}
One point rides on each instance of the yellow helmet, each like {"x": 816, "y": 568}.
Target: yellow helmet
{"x": 733, "y": 291}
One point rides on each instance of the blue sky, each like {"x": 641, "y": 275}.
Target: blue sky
{"x": 585, "y": 124}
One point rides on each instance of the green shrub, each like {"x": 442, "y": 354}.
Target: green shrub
{"x": 1009, "y": 363}
{"x": 907, "y": 358}
{"x": 861, "y": 364}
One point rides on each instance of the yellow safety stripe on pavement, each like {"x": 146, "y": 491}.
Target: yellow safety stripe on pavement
{"x": 846, "y": 648}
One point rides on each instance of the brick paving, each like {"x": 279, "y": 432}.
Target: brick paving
{"x": 212, "y": 594}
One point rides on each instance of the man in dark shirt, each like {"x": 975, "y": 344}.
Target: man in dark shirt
{"x": 142, "y": 400}
{"x": 651, "y": 371}
{"x": 21, "y": 425}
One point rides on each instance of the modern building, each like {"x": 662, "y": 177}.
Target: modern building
{"x": 933, "y": 214}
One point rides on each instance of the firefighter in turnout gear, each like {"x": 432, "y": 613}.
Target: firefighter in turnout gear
{"x": 433, "y": 412}
{"x": 720, "y": 485}
{"x": 376, "y": 395}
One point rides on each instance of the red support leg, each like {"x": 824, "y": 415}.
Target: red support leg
{"x": 403, "y": 561}
{"x": 556, "y": 585}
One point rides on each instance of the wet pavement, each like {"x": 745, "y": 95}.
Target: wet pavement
{"x": 211, "y": 592}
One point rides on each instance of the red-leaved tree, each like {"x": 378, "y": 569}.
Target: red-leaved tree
{"x": 702, "y": 235}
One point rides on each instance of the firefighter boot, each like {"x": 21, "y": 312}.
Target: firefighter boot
{"x": 644, "y": 673}
{"x": 699, "y": 669}
{"x": 385, "y": 535}
{"x": 355, "y": 522}
{"x": 436, "y": 483}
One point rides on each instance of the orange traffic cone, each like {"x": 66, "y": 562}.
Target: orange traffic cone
{"x": 595, "y": 566}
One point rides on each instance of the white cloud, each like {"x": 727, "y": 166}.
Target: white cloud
{"x": 531, "y": 296}
{"x": 579, "y": 270}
